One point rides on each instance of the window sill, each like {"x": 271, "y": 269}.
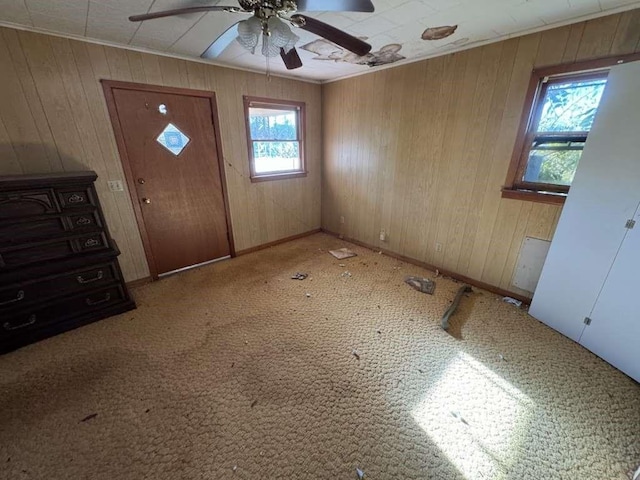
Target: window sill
{"x": 534, "y": 196}
{"x": 277, "y": 176}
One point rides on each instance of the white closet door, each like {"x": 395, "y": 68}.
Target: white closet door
{"x": 614, "y": 332}
{"x": 604, "y": 194}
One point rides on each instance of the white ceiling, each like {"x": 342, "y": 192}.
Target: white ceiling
{"x": 393, "y": 22}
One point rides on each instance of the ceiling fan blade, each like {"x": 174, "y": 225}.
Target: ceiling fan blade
{"x": 182, "y": 11}
{"x": 332, "y": 34}
{"x": 291, "y": 59}
{"x": 222, "y": 42}
{"x": 335, "y": 6}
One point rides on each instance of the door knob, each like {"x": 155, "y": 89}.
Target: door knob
{"x": 146, "y": 200}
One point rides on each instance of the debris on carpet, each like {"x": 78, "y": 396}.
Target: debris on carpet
{"x": 420, "y": 284}
{"x": 89, "y": 417}
{"x": 360, "y": 473}
{"x": 502, "y": 358}
{"x": 459, "y": 417}
{"x": 343, "y": 253}
{"x": 308, "y": 295}
{"x": 299, "y": 276}
{"x": 454, "y": 305}
{"x": 346, "y": 274}
{"x": 254, "y": 403}
{"x": 356, "y": 354}
{"x": 512, "y": 301}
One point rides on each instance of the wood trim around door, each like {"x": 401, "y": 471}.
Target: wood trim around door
{"x": 108, "y": 86}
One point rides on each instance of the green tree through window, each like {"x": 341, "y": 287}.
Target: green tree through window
{"x": 567, "y": 110}
{"x": 561, "y": 105}
{"x": 274, "y": 137}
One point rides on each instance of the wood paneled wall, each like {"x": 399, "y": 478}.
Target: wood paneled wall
{"x": 422, "y": 150}
{"x": 53, "y": 117}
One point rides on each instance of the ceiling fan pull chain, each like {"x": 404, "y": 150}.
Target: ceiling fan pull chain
{"x": 268, "y": 69}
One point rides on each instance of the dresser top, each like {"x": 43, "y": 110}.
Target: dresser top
{"x": 12, "y": 181}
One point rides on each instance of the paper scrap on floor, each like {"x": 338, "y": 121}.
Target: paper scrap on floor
{"x": 343, "y": 253}
{"x": 423, "y": 285}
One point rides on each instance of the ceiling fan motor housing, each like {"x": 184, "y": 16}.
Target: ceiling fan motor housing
{"x": 249, "y": 4}
{"x": 280, "y": 6}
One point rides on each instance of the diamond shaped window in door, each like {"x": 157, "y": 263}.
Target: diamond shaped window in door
{"x": 173, "y": 139}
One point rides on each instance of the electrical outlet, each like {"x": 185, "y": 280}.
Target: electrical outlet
{"x": 438, "y": 247}
{"x": 115, "y": 185}
{"x": 341, "y": 218}
{"x": 383, "y": 236}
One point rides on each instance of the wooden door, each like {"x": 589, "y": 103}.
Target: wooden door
{"x": 614, "y": 329}
{"x": 168, "y": 143}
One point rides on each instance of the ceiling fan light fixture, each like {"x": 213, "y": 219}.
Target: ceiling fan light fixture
{"x": 270, "y": 20}
{"x": 281, "y": 35}
{"x": 291, "y": 44}
{"x": 275, "y": 34}
{"x": 249, "y": 32}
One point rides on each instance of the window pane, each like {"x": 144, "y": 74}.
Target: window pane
{"x": 270, "y": 124}
{"x": 553, "y": 163}
{"x": 571, "y": 106}
{"x": 272, "y": 157}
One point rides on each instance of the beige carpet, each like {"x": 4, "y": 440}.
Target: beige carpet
{"x": 233, "y": 366}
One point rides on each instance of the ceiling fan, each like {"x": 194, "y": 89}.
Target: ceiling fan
{"x": 269, "y": 20}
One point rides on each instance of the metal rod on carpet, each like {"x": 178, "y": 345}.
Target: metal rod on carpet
{"x": 454, "y": 305}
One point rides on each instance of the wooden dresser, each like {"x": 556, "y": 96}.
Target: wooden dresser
{"x": 58, "y": 264}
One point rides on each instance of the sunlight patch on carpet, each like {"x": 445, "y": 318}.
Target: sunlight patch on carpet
{"x": 477, "y": 419}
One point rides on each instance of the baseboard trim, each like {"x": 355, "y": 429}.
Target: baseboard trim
{"x": 139, "y": 282}
{"x": 428, "y": 266}
{"x": 277, "y": 242}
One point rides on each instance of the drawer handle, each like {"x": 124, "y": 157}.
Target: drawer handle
{"x": 19, "y": 297}
{"x": 81, "y": 279}
{"x": 106, "y": 298}
{"x": 92, "y": 242}
{"x": 75, "y": 198}
{"x": 83, "y": 221}
{"x": 30, "y": 321}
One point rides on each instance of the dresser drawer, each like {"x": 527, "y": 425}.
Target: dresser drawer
{"x": 40, "y": 228}
{"x": 95, "y": 241}
{"x": 30, "y": 253}
{"x": 27, "y": 320}
{"x": 70, "y": 198}
{"x": 83, "y": 221}
{"x": 43, "y": 289}
{"x": 20, "y": 204}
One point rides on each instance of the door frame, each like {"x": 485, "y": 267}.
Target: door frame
{"x": 108, "y": 86}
